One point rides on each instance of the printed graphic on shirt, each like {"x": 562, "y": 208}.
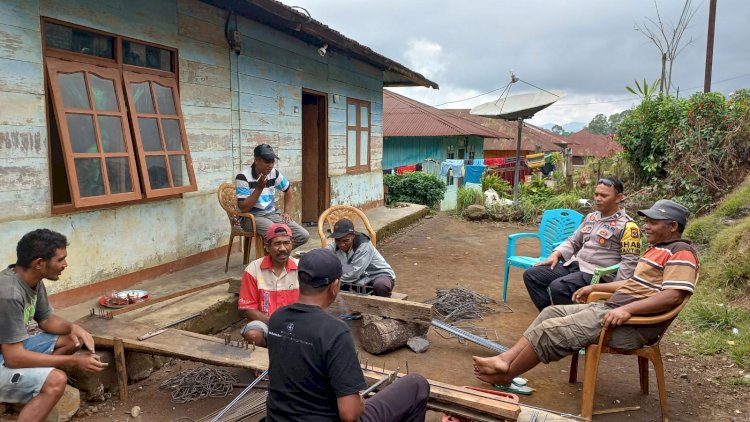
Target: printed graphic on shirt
{"x": 29, "y": 311}
{"x": 631, "y": 239}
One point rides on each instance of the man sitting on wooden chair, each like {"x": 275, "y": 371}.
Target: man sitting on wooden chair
{"x": 268, "y": 283}
{"x": 369, "y": 269}
{"x": 664, "y": 276}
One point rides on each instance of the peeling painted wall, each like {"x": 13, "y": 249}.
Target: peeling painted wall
{"x": 222, "y": 128}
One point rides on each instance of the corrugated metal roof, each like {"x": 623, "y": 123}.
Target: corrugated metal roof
{"x": 531, "y": 137}
{"x": 588, "y": 144}
{"x": 403, "y": 116}
{"x": 299, "y": 25}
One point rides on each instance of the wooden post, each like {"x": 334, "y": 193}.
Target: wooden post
{"x": 122, "y": 371}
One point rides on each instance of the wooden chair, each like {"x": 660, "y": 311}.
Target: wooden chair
{"x": 228, "y": 201}
{"x": 645, "y": 354}
{"x": 336, "y": 213}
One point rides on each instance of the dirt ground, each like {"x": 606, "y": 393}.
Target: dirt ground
{"x": 444, "y": 251}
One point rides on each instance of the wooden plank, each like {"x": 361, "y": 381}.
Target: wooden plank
{"x": 442, "y": 394}
{"x": 387, "y": 307}
{"x": 167, "y": 297}
{"x": 122, "y": 371}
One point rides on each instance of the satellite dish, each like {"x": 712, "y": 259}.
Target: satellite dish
{"x": 522, "y": 106}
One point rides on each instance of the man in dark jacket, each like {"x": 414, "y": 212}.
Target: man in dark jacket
{"x": 369, "y": 269}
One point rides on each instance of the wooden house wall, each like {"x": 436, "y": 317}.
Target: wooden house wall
{"x": 221, "y": 128}
{"x": 407, "y": 150}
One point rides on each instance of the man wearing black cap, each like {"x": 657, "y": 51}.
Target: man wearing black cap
{"x": 369, "y": 269}
{"x": 255, "y": 193}
{"x": 665, "y": 275}
{"x": 314, "y": 371}
{"x": 606, "y": 237}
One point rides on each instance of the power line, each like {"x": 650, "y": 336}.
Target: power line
{"x": 470, "y": 98}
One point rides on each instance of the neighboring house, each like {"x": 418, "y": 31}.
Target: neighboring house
{"x": 587, "y": 144}
{"x": 414, "y": 132}
{"x": 118, "y": 120}
{"x": 533, "y": 138}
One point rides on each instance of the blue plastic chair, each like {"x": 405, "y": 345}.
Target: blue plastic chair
{"x": 557, "y": 225}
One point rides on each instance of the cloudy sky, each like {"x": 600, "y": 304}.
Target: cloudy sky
{"x": 586, "y": 48}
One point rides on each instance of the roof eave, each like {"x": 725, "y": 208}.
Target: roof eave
{"x": 286, "y": 19}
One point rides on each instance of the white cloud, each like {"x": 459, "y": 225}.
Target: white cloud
{"x": 426, "y": 57}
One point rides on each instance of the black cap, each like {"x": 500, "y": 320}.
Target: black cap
{"x": 321, "y": 267}
{"x": 342, "y": 228}
{"x": 664, "y": 209}
{"x": 265, "y": 152}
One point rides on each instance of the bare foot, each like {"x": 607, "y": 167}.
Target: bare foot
{"x": 492, "y": 370}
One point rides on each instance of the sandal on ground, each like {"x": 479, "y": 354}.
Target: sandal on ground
{"x": 516, "y": 388}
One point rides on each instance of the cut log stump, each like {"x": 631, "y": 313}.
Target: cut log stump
{"x": 380, "y": 336}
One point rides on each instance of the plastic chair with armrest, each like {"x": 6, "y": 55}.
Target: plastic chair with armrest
{"x": 645, "y": 354}
{"x": 557, "y": 225}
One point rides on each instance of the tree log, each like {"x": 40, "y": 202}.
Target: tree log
{"x": 387, "y": 334}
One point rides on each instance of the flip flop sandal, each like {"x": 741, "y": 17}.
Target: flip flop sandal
{"x": 520, "y": 381}
{"x": 516, "y": 389}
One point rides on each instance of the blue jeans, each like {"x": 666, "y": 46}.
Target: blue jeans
{"x": 20, "y": 385}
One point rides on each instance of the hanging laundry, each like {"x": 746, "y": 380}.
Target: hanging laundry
{"x": 494, "y": 161}
{"x": 387, "y": 171}
{"x": 444, "y": 169}
{"x": 406, "y": 169}
{"x": 474, "y": 174}
{"x": 457, "y": 166}
{"x": 535, "y": 160}
{"x": 478, "y": 162}
{"x": 419, "y": 167}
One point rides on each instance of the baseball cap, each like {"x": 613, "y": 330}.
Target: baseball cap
{"x": 265, "y": 152}
{"x": 276, "y": 230}
{"x": 321, "y": 267}
{"x": 664, "y": 209}
{"x": 342, "y": 228}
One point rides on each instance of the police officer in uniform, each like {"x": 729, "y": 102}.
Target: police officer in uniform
{"x": 606, "y": 237}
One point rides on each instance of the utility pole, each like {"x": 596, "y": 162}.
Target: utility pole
{"x": 710, "y": 45}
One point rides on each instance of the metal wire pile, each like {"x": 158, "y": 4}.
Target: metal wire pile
{"x": 248, "y": 407}
{"x": 198, "y": 383}
{"x": 459, "y": 304}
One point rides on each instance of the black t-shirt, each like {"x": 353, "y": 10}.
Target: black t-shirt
{"x": 312, "y": 362}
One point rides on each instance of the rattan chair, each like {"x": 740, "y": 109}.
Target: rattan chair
{"x": 336, "y": 213}
{"x": 645, "y": 354}
{"x": 228, "y": 201}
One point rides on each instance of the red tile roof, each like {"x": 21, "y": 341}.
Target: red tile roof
{"x": 531, "y": 136}
{"x": 403, "y": 116}
{"x": 588, "y": 144}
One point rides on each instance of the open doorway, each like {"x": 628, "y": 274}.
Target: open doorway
{"x": 315, "y": 184}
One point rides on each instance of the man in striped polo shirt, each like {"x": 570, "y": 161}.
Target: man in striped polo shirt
{"x": 256, "y": 186}
{"x": 664, "y": 276}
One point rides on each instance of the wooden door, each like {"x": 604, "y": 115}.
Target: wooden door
{"x": 314, "y": 198}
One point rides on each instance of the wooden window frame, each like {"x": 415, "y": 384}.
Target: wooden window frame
{"x": 132, "y": 77}
{"x": 55, "y": 59}
{"x": 358, "y": 128}
{"x": 56, "y": 66}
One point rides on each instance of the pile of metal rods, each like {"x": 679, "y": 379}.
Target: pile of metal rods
{"x": 459, "y": 304}
{"x": 248, "y": 407}
{"x": 199, "y": 383}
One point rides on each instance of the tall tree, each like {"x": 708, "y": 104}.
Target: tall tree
{"x": 599, "y": 125}
{"x": 667, "y": 37}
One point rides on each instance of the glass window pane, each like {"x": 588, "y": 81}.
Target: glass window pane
{"x": 178, "y": 166}
{"x": 364, "y": 120}
{"x": 110, "y": 130}
{"x": 351, "y": 115}
{"x": 172, "y": 136}
{"x": 351, "y": 148}
{"x": 157, "y": 172}
{"x": 81, "y": 130}
{"x": 118, "y": 172}
{"x": 150, "y": 134}
{"x": 89, "y": 173}
{"x": 137, "y": 54}
{"x": 364, "y": 140}
{"x": 73, "y": 90}
{"x": 164, "y": 99}
{"x": 103, "y": 91}
{"x": 79, "y": 41}
{"x": 142, "y": 97}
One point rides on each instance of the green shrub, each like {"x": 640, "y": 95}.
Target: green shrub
{"x": 500, "y": 185}
{"x": 468, "y": 196}
{"x": 536, "y": 190}
{"x": 414, "y": 187}
{"x": 565, "y": 200}
{"x": 702, "y": 230}
{"x": 727, "y": 264}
